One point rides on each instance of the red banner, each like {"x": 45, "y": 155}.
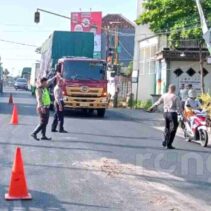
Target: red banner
{"x": 89, "y": 22}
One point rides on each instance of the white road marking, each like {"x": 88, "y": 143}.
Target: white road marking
{"x": 18, "y": 206}
{"x": 70, "y": 138}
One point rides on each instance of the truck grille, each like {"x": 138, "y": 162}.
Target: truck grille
{"x": 89, "y": 93}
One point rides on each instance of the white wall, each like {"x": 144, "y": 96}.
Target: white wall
{"x": 142, "y": 31}
{"x": 184, "y": 66}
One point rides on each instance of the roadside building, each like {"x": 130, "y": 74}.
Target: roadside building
{"x": 157, "y": 65}
{"x": 118, "y": 37}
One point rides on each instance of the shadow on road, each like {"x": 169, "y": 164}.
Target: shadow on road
{"x": 132, "y": 146}
{"x": 44, "y": 201}
{"x": 23, "y": 109}
{"x": 47, "y": 147}
{"x": 118, "y": 137}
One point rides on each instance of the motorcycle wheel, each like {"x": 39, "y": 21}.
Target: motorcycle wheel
{"x": 187, "y": 138}
{"x": 182, "y": 125}
{"x": 203, "y": 137}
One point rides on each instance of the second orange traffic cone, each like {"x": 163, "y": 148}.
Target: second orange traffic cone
{"x": 14, "y": 119}
{"x": 11, "y": 99}
{"x": 18, "y": 188}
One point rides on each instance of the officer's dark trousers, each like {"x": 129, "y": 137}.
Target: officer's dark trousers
{"x": 58, "y": 117}
{"x": 171, "y": 125}
{"x": 44, "y": 118}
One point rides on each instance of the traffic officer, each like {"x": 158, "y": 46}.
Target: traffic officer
{"x": 171, "y": 106}
{"x": 59, "y": 108}
{"x": 43, "y": 105}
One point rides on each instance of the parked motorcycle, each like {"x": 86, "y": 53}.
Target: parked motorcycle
{"x": 195, "y": 128}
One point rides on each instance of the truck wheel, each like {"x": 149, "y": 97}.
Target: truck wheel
{"x": 101, "y": 112}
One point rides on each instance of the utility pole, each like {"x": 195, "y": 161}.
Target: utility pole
{"x": 201, "y": 61}
{"x": 205, "y": 31}
{"x": 137, "y": 88}
{"x": 202, "y": 17}
{"x": 107, "y": 42}
{"x": 116, "y": 45}
{"x": 116, "y": 62}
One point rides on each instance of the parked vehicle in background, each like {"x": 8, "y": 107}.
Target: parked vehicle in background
{"x": 1, "y": 79}
{"x": 21, "y": 83}
{"x": 85, "y": 86}
{"x": 34, "y": 77}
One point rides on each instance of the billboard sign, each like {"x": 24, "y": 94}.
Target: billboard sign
{"x": 89, "y": 22}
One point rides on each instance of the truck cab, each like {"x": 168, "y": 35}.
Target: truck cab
{"x": 85, "y": 84}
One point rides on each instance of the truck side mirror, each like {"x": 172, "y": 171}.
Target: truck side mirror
{"x": 59, "y": 68}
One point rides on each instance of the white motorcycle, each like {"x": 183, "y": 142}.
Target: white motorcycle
{"x": 195, "y": 128}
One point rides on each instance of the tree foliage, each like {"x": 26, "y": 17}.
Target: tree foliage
{"x": 179, "y": 17}
{"x": 6, "y": 72}
{"x": 129, "y": 69}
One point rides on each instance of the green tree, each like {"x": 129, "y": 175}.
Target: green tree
{"x": 129, "y": 69}
{"x": 179, "y": 19}
{"x": 6, "y": 72}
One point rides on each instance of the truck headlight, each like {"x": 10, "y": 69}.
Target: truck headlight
{"x": 104, "y": 100}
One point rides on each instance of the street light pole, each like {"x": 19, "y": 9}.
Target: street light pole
{"x": 137, "y": 89}
{"x": 53, "y": 13}
{"x": 116, "y": 61}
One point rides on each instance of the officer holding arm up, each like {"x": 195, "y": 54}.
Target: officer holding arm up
{"x": 43, "y": 105}
{"x": 59, "y": 108}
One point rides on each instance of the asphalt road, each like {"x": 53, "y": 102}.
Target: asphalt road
{"x": 116, "y": 163}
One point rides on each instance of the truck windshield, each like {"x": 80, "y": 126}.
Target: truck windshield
{"x": 84, "y": 70}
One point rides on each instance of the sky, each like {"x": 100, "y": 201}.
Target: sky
{"x": 17, "y": 24}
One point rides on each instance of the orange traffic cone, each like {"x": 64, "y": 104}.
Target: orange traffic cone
{"x": 11, "y": 99}
{"x": 14, "y": 119}
{"x": 18, "y": 187}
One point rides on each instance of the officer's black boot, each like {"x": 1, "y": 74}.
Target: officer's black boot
{"x": 36, "y": 131}
{"x": 44, "y": 137}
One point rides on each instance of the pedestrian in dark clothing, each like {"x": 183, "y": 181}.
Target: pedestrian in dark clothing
{"x": 59, "y": 108}
{"x": 43, "y": 105}
{"x": 171, "y": 104}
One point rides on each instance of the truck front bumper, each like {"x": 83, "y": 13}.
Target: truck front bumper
{"x": 85, "y": 103}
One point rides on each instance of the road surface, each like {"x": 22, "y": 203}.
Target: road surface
{"x": 116, "y": 163}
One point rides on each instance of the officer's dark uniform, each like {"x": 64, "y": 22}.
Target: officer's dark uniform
{"x": 44, "y": 101}
{"x": 59, "y": 111}
{"x": 171, "y": 108}
{"x": 58, "y": 118}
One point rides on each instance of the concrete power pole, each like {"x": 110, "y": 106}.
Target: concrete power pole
{"x": 205, "y": 31}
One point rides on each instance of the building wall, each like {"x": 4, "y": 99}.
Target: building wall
{"x": 154, "y": 76}
{"x": 144, "y": 63}
{"x": 185, "y": 77}
{"x": 141, "y": 32}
